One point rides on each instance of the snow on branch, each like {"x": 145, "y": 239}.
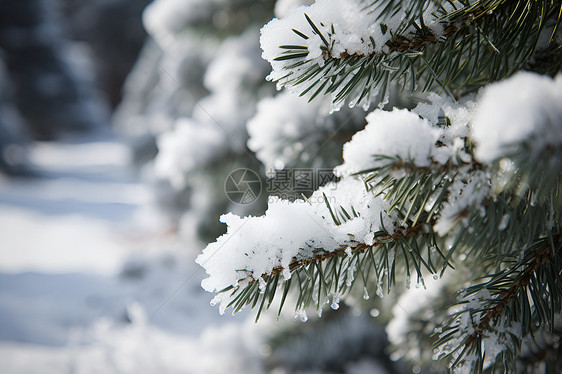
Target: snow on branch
{"x": 400, "y": 133}
{"x": 407, "y": 178}
{"x": 254, "y": 247}
{"x": 342, "y": 219}
{"x": 285, "y": 138}
{"x": 524, "y": 111}
{"x": 316, "y": 36}
{"x": 518, "y": 129}
{"x": 337, "y": 29}
{"x": 494, "y": 316}
{"x": 353, "y": 49}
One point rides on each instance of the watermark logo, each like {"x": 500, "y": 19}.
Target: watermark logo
{"x": 243, "y": 186}
{"x": 291, "y": 184}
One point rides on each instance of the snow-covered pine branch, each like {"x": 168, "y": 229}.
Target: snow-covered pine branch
{"x": 354, "y": 50}
{"x": 414, "y": 199}
{"x": 496, "y": 315}
{"x": 306, "y": 135}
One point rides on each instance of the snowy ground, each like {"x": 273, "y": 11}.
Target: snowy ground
{"x": 89, "y": 285}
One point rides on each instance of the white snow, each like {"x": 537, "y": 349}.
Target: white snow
{"x": 287, "y": 130}
{"x": 365, "y": 367}
{"x": 237, "y": 64}
{"x": 81, "y": 177}
{"x": 522, "y": 110}
{"x": 459, "y": 113}
{"x": 464, "y": 196}
{"x": 185, "y": 148}
{"x": 274, "y": 129}
{"x": 217, "y": 124}
{"x": 88, "y": 285}
{"x": 283, "y": 7}
{"x": 254, "y": 246}
{"x": 63, "y": 248}
{"x": 398, "y": 133}
{"x": 345, "y": 28}
{"x": 141, "y": 348}
{"x": 496, "y": 338}
{"x": 165, "y": 83}
{"x": 353, "y": 25}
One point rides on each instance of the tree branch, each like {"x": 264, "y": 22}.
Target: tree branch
{"x": 400, "y": 233}
{"x": 541, "y": 255}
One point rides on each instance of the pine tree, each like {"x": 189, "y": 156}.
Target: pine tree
{"x": 187, "y": 118}
{"x": 198, "y": 93}
{"x": 456, "y": 189}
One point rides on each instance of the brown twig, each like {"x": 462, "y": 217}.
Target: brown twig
{"x": 402, "y": 44}
{"x": 398, "y": 234}
{"x": 417, "y": 43}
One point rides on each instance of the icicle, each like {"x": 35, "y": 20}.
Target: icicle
{"x": 301, "y": 313}
{"x": 365, "y": 294}
{"x": 367, "y": 103}
{"x": 336, "y": 106}
{"x": 351, "y": 272}
{"x": 335, "y": 301}
{"x": 408, "y": 282}
{"x": 383, "y": 101}
{"x": 379, "y": 291}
